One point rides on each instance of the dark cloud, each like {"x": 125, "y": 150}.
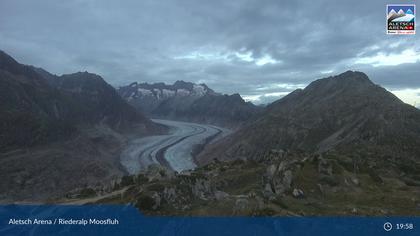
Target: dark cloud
{"x": 233, "y": 46}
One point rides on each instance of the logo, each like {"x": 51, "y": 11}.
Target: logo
{"x": 401, "y": 18}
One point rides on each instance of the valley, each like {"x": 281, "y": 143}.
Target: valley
{"x": 174, "y": 150}
{"x": 343, "y": 145}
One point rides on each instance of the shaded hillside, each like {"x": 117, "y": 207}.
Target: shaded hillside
{"x": 31, "y": 111}
{"x": 37, "y": 107}
{"x": 347, "y": 113}
{"x": 101, "y": 103}
{"x": 60, "y": 133}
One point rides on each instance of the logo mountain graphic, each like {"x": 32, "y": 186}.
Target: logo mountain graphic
{"x": 409, "y": 11}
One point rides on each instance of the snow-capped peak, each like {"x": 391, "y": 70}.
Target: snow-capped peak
{"x": 162, "y": 91}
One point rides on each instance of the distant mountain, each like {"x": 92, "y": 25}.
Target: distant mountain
{"x": 345, "y": 113}
{"x": 58, "y": 133}
{"x": 147, "y": 97}
{"x": 188, "y": 101}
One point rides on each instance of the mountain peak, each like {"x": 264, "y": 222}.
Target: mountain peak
{"x": 237, "y": 96}
{"x": 85, "y": 77}
{"x": 182, "y": 83}
{"x": 352, "y": 76}
{"x": 348, "y": 87}
{"x": 349, "y": 80}
{"x": 341, "y": 113}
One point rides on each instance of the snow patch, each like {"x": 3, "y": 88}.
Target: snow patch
{"x": 168, "y": 93}
{"x": 199, "y": 90}
{"x": 182, "y": 92}
{"x": 145, "y": 92}
{"x": 158, "y": 93}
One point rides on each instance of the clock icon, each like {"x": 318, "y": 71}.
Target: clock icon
{"x": 387, "y": 226}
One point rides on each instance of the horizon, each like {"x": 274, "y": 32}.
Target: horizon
{"x": 283, "y": 94}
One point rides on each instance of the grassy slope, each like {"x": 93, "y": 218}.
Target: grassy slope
{"x": 353, "y": 188}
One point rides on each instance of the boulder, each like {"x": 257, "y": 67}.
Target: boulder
{"x": 201, "y": 188}
{"x": 169, "y": 194}
{"x": 268, "y": 192}
{"x": 157, "y": 200}
{"x": 287, "y": 178}
{"x": 277, "y": 180}
{"x": 355, "y": 181}
{"x": 298, "y": 193}
{"x": 324, "y": 167}
{"x": 271, "y": 171}
{"x": 241, "y": 204}
{"x": 220, "y": 195}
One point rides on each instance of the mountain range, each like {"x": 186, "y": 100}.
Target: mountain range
{"x": 188, "y": 102}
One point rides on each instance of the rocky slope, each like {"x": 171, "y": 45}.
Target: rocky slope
{"x": 346, "y": 113}
{"x": 189, "y": 102}
{"x": 280, "y": 184}
{"x": 62, "y": 130}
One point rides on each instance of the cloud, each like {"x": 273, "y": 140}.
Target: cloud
{"x": 395, "y": 59}
{"x": 410, "y": 96}
{"x": 233, "y": 46}
{"x": 264, "y": 98}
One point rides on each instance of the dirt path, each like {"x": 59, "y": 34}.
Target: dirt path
{"x": 93, "y": 199}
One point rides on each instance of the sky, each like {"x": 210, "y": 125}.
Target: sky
{"x": 261, "y": 49}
